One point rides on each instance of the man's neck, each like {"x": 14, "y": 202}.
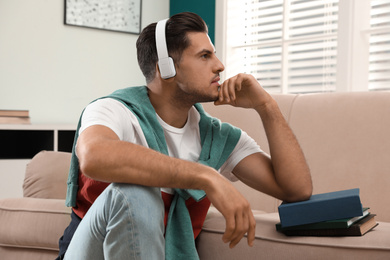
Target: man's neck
{"x": 170, "y": 111}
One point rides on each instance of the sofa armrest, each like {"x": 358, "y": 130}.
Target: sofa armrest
{"x": 46, "y": 175}
{"x": 32, "y": 222}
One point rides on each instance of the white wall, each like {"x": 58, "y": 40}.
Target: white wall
{"x": 55, "y": 70}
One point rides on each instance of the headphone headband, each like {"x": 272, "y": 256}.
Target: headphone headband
{"x": 165, "y": 63}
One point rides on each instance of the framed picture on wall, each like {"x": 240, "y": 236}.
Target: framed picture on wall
{"x": 120, "y": 15}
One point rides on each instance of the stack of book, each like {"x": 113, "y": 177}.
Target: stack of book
{"x": 14, "y": 117}
{"x": 337, "y": 213}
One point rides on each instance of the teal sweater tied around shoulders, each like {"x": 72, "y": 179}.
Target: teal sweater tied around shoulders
{"x": 217, "y": 140}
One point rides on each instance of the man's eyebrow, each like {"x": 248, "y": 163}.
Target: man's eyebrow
{"x": 206, "y": 51}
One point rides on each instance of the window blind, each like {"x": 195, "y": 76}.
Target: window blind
{"x": 254, "y": 33}
{"x": 289, "y": 46}
{"x": 379, "y": 50}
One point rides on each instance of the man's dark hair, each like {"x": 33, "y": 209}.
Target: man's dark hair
{"x": 176, "y": 31}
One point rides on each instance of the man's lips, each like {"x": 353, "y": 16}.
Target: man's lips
{"x": 216, "y": 80}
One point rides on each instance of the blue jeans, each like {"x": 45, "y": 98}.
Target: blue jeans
{"x": 125, "y": 222}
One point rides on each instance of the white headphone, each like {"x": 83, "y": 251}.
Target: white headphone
{"x": 165, "y": 63}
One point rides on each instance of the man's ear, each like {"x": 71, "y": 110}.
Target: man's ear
{"x": 158, "y": 75}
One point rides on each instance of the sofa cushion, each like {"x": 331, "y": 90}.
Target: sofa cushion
{"x": 18, "y": 253}
{"x": 271, "y": 244}
{"x": 46, "y": 175}
{"x": 32, "y": 223}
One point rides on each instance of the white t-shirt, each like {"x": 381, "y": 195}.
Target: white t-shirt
{"x": 183, "y": 143}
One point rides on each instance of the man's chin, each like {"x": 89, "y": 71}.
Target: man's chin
{"x": 206, "y": 97}
{"x": 209, "y": 99}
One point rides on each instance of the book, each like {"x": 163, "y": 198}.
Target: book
{"x": 14, "y": 113}
{"x": 338, "y": 223}
{"x": 358, "y": 228}
{"x": 321, "y": 207}
{"x": 14, "y": 120}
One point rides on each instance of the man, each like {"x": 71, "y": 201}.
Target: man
{"x": 158, "y": 136}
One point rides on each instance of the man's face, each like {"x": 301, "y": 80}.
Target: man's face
{"x": 197, "y": 73}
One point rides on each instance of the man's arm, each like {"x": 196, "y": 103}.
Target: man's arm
{"x": 104, "y": 157}
{"x": 285, "y": 175}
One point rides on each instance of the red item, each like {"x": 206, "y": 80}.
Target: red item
{"x": 90, "y": 189}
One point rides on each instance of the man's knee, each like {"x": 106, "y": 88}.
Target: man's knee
{"x": 124, "y": 219}
{"x": 142, "y": 206}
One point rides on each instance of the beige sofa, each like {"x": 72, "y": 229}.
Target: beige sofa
{"x": 344, "y": 137}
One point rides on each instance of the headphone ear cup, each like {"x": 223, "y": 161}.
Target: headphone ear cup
{"x": 167, "y": 68}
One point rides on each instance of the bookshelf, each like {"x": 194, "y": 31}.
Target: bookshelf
{"x": 19, "y": 143}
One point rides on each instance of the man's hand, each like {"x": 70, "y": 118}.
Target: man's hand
{"x": 234, "y": 207}
{"x": 242, "y": 90}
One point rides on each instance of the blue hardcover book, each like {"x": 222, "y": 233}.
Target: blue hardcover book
{"x": 321, "y": 207}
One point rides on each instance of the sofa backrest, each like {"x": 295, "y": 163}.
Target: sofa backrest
{"x": 46, "y": 175}
{"x": 345, "y": 139}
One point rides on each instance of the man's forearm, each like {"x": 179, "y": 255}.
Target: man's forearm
{"x": 110, "y": 160}
{"x": 289, "y": 164}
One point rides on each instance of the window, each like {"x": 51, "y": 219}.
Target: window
{"x": 379, "y": 50}
{"x": 301, "y": 46}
